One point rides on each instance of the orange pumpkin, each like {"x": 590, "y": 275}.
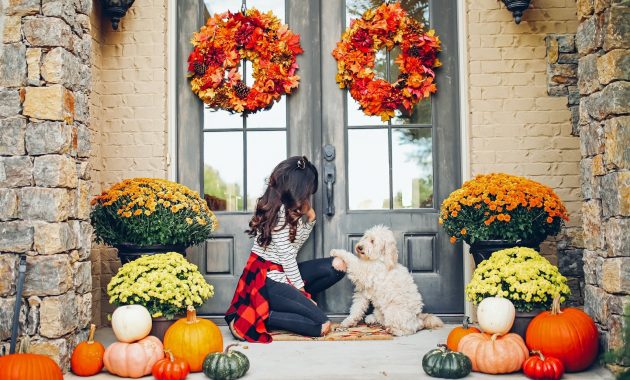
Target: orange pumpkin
{"x": 22, "y": 366}
{"x": 133, "y": 359}
{"x": 569, "y": 335}
{"x": 170, "y": 368}
{"x": 493, "y": 353}
{"x": 87, "y": 357}
{"x": 192, "y": 339}
{"x": 456, "y": 334}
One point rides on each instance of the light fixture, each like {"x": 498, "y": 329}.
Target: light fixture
{"x": 116, "y": 9}
{"x": 517, "y": 7}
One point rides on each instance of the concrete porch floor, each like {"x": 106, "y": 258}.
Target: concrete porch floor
{"x": 398, "y": 359}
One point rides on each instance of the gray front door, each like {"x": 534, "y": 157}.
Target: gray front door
{"x": 394, "y": 173}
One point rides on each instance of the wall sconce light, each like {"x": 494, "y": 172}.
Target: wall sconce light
{"x": 517, "y": 7}
{"x": 116, "y": 9}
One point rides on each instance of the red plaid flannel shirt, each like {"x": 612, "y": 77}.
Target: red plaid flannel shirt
{"x": 250, "y": 307}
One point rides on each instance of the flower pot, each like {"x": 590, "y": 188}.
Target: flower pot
{"x": 160, "y": 325}
{"x": 521, "y": 321}
{"x": 130, "y": 252}
{"x": 482, "y": 250}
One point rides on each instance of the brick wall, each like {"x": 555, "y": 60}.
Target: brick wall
{"x": 515, "y": 126}
{"x": 129, "y": 113}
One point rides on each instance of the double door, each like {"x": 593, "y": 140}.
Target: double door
{"x": 394, "y": 173}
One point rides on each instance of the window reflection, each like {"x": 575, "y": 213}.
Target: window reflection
{"x": 264, "y": 151}
{"x": 368, "y": 169}
{"x": 223, "y": 170}
{"x": 412, "y": 167}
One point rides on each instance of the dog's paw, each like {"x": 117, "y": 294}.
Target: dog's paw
{"x": 348, "y": 323}
{"x": 337, "y": 253}
{"x": 398, "y": 332}
{"x": 371, "y": 320}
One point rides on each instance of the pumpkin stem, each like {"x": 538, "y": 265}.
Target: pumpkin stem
{"x": 494, "y": 337}
{"x": 540, "y": 354}
{"x": 466, "y": 322}
{"x": 24, "y": 345}
{"x": 555, "y": 306}
{"x": 92, "y": 331}
{"x": 191, "y": 315}
{"x": 229, "y": 347}
{"x": 169, "y": 354}
{"x": 443, "y": 347}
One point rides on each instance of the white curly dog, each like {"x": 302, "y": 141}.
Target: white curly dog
{"x": 379, "y": 279}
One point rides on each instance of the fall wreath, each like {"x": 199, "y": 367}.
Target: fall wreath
{"x": 385, "y": 27}
{"x": 225, "y": 40}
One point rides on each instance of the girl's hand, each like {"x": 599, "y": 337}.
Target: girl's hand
{"x": 310, "y": 215}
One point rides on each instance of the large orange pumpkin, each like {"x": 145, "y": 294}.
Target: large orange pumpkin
{"x": 133, "y": 359}
{"x": 493, "y": 353}
{"x": 569, "y": 335}
{"x": 456, "y": 334}
{"x": 23, "y": 366}
{"x": 192, "y": 339}
{"x": 87, "y": 357}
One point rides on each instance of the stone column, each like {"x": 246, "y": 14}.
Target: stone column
{"x": 45, "y": 80}
{"x": 603, "y": 43}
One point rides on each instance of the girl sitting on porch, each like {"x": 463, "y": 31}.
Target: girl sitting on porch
{"x": 274, "y": 291}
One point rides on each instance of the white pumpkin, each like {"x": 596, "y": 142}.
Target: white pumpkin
{"x": 495, "y": 315}
{"x": 131, "y": 323}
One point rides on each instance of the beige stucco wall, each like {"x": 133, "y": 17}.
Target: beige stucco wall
{"x": 514, "y": 126}
{"x": 129, "y": 112}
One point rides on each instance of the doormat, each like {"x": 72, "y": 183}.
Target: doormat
{"x": 338, "y": 333}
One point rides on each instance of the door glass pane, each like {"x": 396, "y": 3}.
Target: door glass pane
{"x": 356, "y": 117}
{"x": 265, "y": 150}
{"x": 276, "y": 6}
{"x": 368, "y": 169}
{"x": 421, "y": 114}
{"x": 221, "y": 119}
{"x": 216, "y": 6}
{"x": 276, "y": 117}
{"x": 412, "y": 171}
{"x": 223, "y": 170}
{"x": 418, "y": 9}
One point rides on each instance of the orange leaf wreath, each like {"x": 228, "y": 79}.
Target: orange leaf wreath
{"x": 225, "y": 40}
{"x": 387, "y": 26}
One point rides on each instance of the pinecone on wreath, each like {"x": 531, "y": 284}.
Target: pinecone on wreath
{"x": 241, "y": 89}
{"x": 200, "y": 68}
{"x": 414, "y": 51}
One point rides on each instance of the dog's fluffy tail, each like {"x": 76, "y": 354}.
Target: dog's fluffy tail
{"x": 430, "y": 321}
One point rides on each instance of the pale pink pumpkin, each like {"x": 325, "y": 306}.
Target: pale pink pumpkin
{"x": 493, "y": 353}
{"x": 133, "y": 359}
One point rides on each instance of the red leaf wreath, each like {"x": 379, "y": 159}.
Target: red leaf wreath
{"x": 225, "y": 40}
{"x": 387, "y": 26}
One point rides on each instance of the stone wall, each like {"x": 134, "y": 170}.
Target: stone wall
{"x": 603, "y": 43}
{"x": 516, "y": 127}
{"x": 128, "y": 105}
{"x": 45, "y": 82}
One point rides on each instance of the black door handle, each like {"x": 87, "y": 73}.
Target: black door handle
{"x": 330, "y": 175}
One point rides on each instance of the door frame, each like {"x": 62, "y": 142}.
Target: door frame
{"x": 174, "y": 90}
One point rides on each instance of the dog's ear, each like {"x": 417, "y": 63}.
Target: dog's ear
{"x": 391, "y": 254}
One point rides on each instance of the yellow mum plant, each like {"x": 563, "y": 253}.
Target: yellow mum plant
{"x": 163, "y": 283}
{"x": 500, "y": 206}
{"x": 151, "y": 211}
{"x": 521, "y": 275}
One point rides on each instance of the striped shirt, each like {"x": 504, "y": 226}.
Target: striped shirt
{"x": 284, "y": 252}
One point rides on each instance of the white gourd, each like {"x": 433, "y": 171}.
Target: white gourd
{"x": 495, "y": 315}
{"x": 131, "y": 323}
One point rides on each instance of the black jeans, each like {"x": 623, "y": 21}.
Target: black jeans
{"x": 290, "y": 309}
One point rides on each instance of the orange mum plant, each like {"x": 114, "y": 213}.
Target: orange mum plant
{"x": 149, "y": 211}
{"x": 500, "y": 206}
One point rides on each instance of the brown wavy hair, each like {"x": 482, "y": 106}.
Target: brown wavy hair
{"x": 291, "y": 184}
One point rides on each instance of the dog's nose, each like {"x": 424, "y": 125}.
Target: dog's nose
{"x": 359, "y": 248}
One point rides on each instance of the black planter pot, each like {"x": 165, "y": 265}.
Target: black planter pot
{"x": 130, "y": 252}
{"x": 482, "y": 250}
{"x": 521, "y": 321}
{"x": 517, "y": 7}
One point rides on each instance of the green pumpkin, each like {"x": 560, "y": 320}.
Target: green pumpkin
{"x": 442, "y": 362}
{"x": 226, "y": 365}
